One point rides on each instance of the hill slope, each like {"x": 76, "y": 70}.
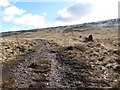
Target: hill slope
{"x": 62, "y": 57}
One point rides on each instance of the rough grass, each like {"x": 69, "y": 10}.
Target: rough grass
{"x": 90, "y": 61}
{"x": 81, "y": 47}
{"x": 42, "y": 66}
{"x": 7, "y": 84}
{"x": 37, "y": 86}
{"x": 92, "y": 64}
{"x": 13, "y": 48}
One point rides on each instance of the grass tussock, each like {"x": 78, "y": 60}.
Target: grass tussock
{"x": 8, "y": 83}
{"x": 11, "y": 49}
{"x": 37, "y": 86}
{"x": 81, "y": 47}
{"x": 94, "y": 58}
{"x": 41, "y": 66}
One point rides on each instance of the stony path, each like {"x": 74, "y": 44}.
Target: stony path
{"x": 31, "y": 70}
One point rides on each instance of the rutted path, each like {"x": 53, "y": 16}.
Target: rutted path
{"x": 37, "y": 69}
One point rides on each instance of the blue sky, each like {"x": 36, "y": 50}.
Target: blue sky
{"x": 40, "y": 8}
{"x": 21, "y": 15}
{"x": 37, "y": 8}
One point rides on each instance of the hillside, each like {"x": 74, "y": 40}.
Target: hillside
{"x": 62, "y": 57}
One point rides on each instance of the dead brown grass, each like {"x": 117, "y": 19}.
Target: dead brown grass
{"x": 14, "y": 48}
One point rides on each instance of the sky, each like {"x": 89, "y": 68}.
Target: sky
{"x": 31, "y": 14}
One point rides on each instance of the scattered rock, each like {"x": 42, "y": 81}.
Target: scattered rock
{"x": 116, "y": 51}
{"x": 33, "y": 65}
{"x": 89, "y": 38}
{"x": 117, "y": 69}
{"x": 69, "y": 48}
{"x": 101, "y": 58}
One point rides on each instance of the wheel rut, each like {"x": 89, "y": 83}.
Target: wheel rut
{"x": 37, "y": 69}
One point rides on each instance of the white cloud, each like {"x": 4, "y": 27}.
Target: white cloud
{"x": 74, "y": 12}
{"x": 8, "y": 18}
{"x": 4, "y": 3}
{"x": 11, "y": 12}
{"x": 101, "y": 10}
{"x": 81, "y": 11}
{"x": 19, "y": 16}
{"x": 12, "y": 29}
{"x": 29, "y": 19}
{"x": 104, "y": 10}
